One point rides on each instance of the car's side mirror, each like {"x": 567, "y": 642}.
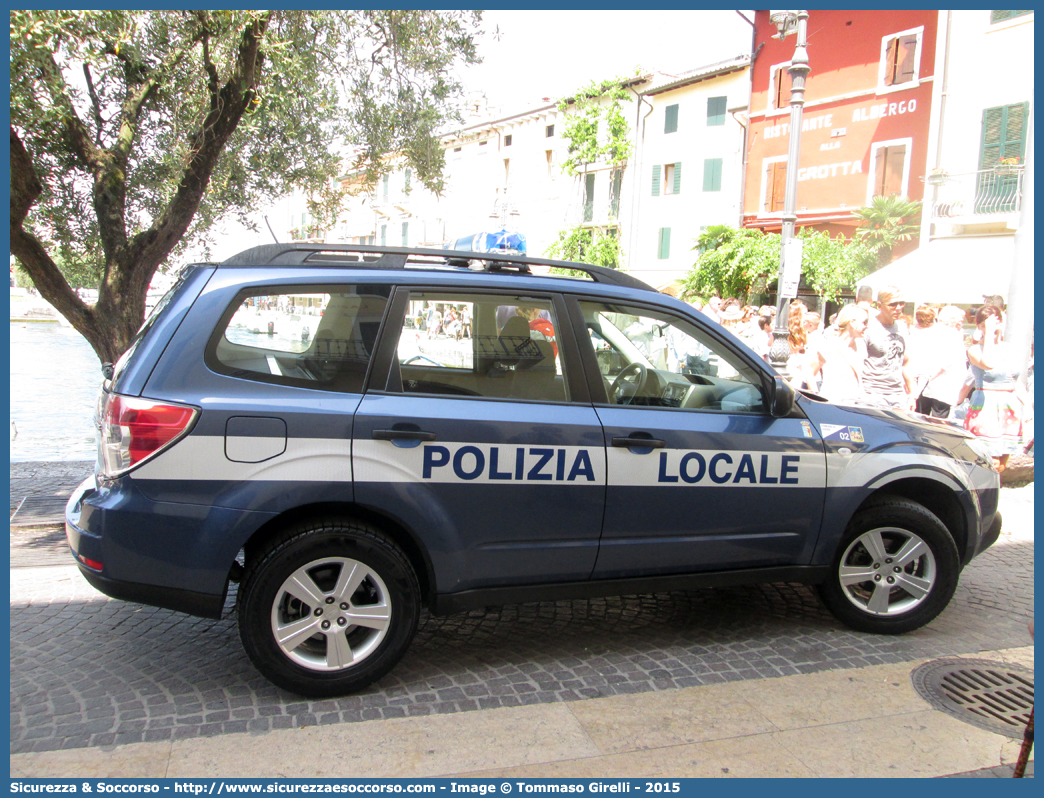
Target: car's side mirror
{"x": 782, "y": 398}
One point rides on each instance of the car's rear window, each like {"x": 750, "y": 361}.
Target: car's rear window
{"x": 307, "y": 336}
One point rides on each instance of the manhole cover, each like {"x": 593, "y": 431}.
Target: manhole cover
{"x": 991, "y": 695}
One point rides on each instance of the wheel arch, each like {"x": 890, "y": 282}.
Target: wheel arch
{"x": 936, "y": 497}
{"x": 404, "y": 538}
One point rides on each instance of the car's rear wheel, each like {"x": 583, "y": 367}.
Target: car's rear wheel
{"x": 895, "y": 570}
{"x": 328, "y": 608}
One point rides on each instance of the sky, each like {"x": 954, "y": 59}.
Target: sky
{"x": 529, "y": 55}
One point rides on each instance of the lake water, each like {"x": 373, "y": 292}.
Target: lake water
{"x": 55, "y": 379}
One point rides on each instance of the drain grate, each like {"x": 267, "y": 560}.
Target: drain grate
{"x": 994, "y": 696}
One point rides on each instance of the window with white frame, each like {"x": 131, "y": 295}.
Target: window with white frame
{"x": 900, "y": 60}
{"x": 889, "y": 168}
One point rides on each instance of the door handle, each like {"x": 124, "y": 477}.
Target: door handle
{"x": 402, "y": 435}
{"x": 644, "y": 443}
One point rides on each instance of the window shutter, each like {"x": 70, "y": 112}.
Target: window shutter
{"x": 670, "y": 123}
{"x": 783, "y": 84}
{"x": 677, "y": 178}
{"x": 405, "y": 234}
{"x": 712, "y": 174}
{"x": 589, "y": 185}
{"x": 1003, "y": 134}
{"x": 777, "y": 186}
{"x": 890, "y": 55}
{"x": 1000, "y": 16}
{"x": 716, "y": 111}
{"x": 907, "y": 50}
{"x": 664, "y": 251}
{"x": 895, "y": 159}
{"x": 656, "y": 181}
{"x": 407, "y": 182}
{"x": 384, "y": 235}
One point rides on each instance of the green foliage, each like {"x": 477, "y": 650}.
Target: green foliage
{"x": 595, "y": 126}
{"x": 733, "y": 262}
{"x": 587, "y": 245}
{"x": 830, "y": 265}
{"x": 743, "y": 262}
{"x": 133, "y": 132}
{"x": 885, "y": 222}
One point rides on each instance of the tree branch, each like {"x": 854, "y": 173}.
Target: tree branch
{"x": 48, "y": 279}
{"x": 95, "y": 103}
{"x": 150, "y": 247}
{"x": 79, "y": 135}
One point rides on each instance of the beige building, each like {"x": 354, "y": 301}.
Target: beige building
{"x": 505, "y": 170}
{"x": 688, "y": 171}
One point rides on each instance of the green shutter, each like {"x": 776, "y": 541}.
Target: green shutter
{"x": 716, "y": 111}
{"x": 656, "y": 181}
{"x": 712, "y": 174}
{"x": 384, "y": 235}
{"x": 1000, "y": 16}
{"x": 670, "y": 122}
{"x": 1003, "y": 134}
{"x": 665, "y": 243}
{"x": 405, "y": 234}
{"x": 677, "y": 178}
{"x": 589, "y": 187}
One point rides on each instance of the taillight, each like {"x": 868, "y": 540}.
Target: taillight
{"x": 134, "y": 429}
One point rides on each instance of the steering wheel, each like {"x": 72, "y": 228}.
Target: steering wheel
{"x": 626, "y": 389}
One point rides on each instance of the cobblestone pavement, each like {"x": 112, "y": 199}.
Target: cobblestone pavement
{"x": 88, "y": 671}
{"x": 39, "y": 490}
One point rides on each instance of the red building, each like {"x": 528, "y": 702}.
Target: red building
{"x": 865, "y": 129}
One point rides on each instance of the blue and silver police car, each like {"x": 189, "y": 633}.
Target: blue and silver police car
{"x": 353, "y": 433}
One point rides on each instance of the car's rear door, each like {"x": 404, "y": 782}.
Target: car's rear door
{"x": 485, "y": 446}
{"x": 700, "y": 475}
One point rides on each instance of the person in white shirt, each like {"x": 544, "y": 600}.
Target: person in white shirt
{"x": 946, "y": 366}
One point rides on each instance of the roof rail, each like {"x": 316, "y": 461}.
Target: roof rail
{"x": 367, "y": 256}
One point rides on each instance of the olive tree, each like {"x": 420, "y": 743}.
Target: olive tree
{"x": 133, "y": 132}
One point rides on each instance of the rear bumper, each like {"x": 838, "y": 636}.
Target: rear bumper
{"x": 205, "y": 605}
{"x": 175, "y": 556}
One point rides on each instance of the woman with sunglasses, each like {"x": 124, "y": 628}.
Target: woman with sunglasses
{"x": 998, "y": 403}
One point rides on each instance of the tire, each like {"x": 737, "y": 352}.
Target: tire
{"x": 894, "y": 539}
{"x": 328, "y": 608}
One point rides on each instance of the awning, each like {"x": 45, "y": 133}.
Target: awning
{"x": 957, "y": 271}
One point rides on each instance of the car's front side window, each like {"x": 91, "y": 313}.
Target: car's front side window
{"x": 654, "y": 359}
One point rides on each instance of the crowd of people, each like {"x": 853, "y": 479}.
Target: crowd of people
{"x": 445, "y": 321}
{"x": 872, "y": 354}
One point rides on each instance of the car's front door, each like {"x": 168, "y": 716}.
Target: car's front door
{"x": 700, "y": 475}
{"x": 478, "y": 439}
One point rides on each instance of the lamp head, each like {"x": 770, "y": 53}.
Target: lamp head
{"x": 785, "y": 22}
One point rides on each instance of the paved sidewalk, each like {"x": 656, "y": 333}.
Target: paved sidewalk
{"x": 868, "y": 722}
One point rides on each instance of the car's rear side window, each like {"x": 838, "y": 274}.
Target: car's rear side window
{"x": 501, "y": 346}
{"x": 307, "y": 336}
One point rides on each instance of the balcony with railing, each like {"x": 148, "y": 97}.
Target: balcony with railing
{"x": 988, "y": 196}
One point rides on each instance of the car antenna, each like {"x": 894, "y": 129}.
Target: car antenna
{"x": 271, "y": 230}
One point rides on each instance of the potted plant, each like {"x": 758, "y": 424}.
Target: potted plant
{"x": 1007, "y": 166}
{"x": 937, "y": 177}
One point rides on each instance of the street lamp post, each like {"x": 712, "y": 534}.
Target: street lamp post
{"x": 788, "y": 22}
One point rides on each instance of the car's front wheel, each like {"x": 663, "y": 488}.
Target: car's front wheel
{"x": 328, "y": 608}
{"x": 895, "y": 570}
